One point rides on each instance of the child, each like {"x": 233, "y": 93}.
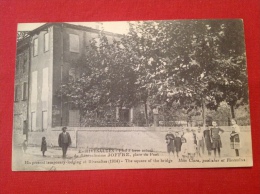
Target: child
{"x": 234, "y": 137}
{"x": 184, "y": 152}
{"x": 25, "y": 145}
{"x": 169, "y": 138}
{"x": 200, "y": 142}
{"x": 207, "y": 138}
{"x": 215, "y": 137}
{"x": 177, "y": 143}
{"x": 44, "y": 146}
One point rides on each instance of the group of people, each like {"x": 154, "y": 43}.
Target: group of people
{"x": 189, "y": 143}
{"x": 64, "y": 142}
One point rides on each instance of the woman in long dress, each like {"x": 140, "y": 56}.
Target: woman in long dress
{"x": 177, "y": 143}
{"x": 169, "y": 138}
{"x": 200, "y": 142}
{"x": 190, "y": 143}
{"x": 235, "y": 137}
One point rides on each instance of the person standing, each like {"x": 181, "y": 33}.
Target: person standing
{"x": 190, "y": 143}
{"x": 215, "y": 137}
{"x": 235, "y": 137}
{"x": 200, "y": 142}
{"x": 177, "y": 143}
{"x": 43, "y": 146}
{"x": 207, "y": 138}
{"x": 169, "y": 138}
{"x": 24, "y": 146}
{"x": 64, "y": 141}
{"x": 184, "y": 151}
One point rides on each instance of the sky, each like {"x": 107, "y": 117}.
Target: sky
{"x": 116, "y": 27}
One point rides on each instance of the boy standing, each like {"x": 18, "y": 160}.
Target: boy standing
{"x": 215, "y": 137}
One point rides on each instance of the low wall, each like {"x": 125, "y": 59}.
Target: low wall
{"x": 112, "y": 137}
{"x": 121, "y": 139}
{"x": 18, "y": 138}
{"x": 35, "y": 138}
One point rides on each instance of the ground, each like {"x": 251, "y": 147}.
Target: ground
{"x": 141, "y": 147}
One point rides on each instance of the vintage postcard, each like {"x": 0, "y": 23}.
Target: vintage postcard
{"x": 131, "y": 95}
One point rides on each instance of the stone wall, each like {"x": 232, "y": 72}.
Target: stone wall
{"x": 113, "y": 137}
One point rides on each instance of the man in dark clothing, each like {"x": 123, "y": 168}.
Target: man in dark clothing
{"x": 64, "y": 141}
{"x": 215, "y": 138}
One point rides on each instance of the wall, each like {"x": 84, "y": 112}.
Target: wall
{"x": 118, "y": 137}
{"x": 35, "y": 138}
{"x": 57, "y": 68}
{"x": 63, "y": 61}
{"x": 41, "y": 75}
{"x": 20, "y": 106}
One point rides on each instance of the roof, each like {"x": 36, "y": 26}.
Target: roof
{"x": 25, "y": 41}
{"x": 77, "y": 27}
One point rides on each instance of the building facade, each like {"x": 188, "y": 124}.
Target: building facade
{"x": 21, "y": 95}
{"x": 46, "y": 59}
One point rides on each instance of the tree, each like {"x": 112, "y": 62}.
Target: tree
{"x": 232, "y": 49}
{"x": 186, "y": 62}
{"x": 189, "y": 64}
{"x": 104, "y": 78}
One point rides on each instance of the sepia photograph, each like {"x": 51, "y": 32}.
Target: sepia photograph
{"x": 131, "y": 95}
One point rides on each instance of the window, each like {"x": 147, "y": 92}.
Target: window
{"x": 35, "y": 47}
{"x": 74, "y": 43}
{"x": 17, "y": 122}
{"x": 124, "y": 115}
{"x": 33, "y": 121}
{"x": 45, "y": 86}
{"x": 44, "y": 120}
{"x": 16, "y": 93}
{"x": 34, "y": 89}
{"x": 72, "y": 75}
{"x": 46, "y": 42}
{"x": 25, "y": 88}
{"x": 25, "y": 127}
{"x": 98, "y": 41}
{"x": 24, "y": 63}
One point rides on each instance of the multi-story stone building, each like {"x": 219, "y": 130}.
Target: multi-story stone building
{"x": 45, "y": 60}
{"x": 21, "y": 99}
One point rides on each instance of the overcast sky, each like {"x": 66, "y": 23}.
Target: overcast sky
{"x": 116, "y": 27}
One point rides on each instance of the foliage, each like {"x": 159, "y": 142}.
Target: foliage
{"x": 104, "y": 78}
{"x": 139, "y": 119}
{"x": 171, "y": 65}
{"x": 191, "y": 62}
